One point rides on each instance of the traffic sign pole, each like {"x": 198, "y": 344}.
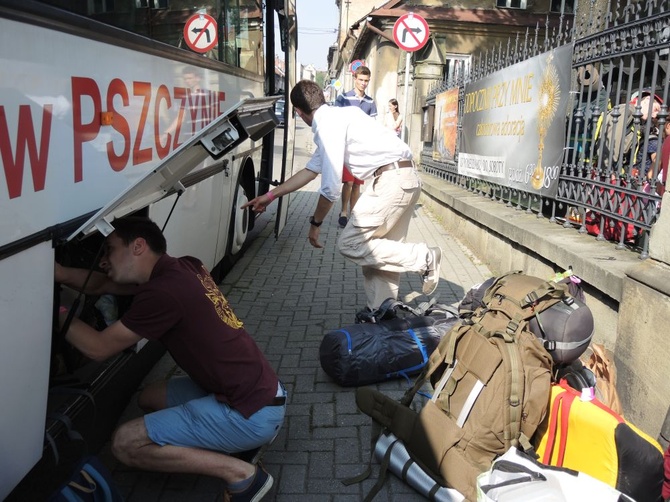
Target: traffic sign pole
{"x": 403, "y": 133}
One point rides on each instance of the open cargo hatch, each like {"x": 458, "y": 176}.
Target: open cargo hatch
{"x": 251, "y": 118}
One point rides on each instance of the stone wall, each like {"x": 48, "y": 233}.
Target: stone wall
{"x": 629, "y": 297}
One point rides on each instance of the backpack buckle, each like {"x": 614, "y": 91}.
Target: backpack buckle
{"x": 530, "y": 299}
{"x": 550, "y": 345}
{"x": 512, "y": 327}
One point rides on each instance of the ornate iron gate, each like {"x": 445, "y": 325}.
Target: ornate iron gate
{"x": 611, "y": 179}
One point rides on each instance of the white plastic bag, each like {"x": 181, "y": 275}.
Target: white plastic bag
{"x": 516, "y": 477}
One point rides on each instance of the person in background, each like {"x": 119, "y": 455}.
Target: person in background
{"x": 650, "y": 106}
{"x": 620, "y": 141}
{"x": 231, "y": 400}
{"x": 646, "y": 162}
{"x": 393, "y": 118}
{"x": 665, "y": 493}
{"x": 375, "y": 236}
{"x": 351, "y": 186}
{"x": 662, "y": 176}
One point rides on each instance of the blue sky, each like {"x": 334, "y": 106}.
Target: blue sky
{"x": 317, "y": 30}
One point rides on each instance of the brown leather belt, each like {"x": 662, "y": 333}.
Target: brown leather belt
{"x": 394, "y": 165}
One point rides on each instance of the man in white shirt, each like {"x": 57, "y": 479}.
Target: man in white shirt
{"x": 375, "y": 235}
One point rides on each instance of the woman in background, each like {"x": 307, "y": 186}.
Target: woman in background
{"x": 393, "y": 118}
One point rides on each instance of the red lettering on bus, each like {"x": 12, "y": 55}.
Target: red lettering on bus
{"x": 162, "y": 94}
{"x": 205, "y": 101}
{"x": 82, "y": 133}
{"x": 193, "y": 102}
{"x": 213, "y": 105}
{"x": 203, "y": 106}
{"x": 25, "y": 140}
{"x": 142, "y": 155}
{"x": 180, "y": 94}
{"x": 120, "y": 125}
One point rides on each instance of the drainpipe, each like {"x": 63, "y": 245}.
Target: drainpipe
{"x": 379, "y": 32}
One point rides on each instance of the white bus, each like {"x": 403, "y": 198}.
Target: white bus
{"x": 156, "y": 107}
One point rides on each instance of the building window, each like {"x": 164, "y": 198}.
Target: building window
{"x": 456, "y": 67}
{"x": 511, "y": 4}
{"x": 567, "y": 5}
{"x": 154, "y": 4}
{"x": 100, "y": 6}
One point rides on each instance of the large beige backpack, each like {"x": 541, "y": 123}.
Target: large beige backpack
{"x": 491, "y": 378}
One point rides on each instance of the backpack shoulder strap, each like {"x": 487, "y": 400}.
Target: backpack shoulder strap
{"x": 424, "y": 307}
{"x": 389, "y": 306}
{"x": 383, "y": 469}
{"x": 553, "y": 425}
{"x": 375, "y": 432}
{"x": 442, "y": 308}
{"x": 409, "y": 394}
{"x": 565, "y": 421}
{"x": 444, "y": 353}
{"x": 560, "y": 408}
{"x": 510, "y": 354}
{"x": 545, "y": 290}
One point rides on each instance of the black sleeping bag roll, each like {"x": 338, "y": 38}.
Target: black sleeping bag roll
{"x": 367, "y": 353}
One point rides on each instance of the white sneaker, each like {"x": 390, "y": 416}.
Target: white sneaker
{"x": 432, "y": 275}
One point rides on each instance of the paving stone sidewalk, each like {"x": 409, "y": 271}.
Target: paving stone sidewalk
{"x": 289, "y": 294}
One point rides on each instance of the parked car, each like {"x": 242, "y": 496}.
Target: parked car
{"x": 279, "y": 111}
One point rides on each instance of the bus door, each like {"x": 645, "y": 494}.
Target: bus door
{"x": 288, "y": 24}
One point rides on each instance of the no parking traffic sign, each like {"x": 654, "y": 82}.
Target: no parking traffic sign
{"x": 200, "y": 33}
{"x": 410, "y": 32}
{"x": 355, "y": 65}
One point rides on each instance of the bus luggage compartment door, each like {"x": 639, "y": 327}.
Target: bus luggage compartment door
{"x": 24, "y": 359}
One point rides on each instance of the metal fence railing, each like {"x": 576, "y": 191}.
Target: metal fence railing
{"x": 612, "y": 175}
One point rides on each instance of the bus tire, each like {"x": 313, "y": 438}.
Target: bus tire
{"x": 239, "y": 222}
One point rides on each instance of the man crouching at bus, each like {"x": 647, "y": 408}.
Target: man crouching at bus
{"x": 231, "y": 401}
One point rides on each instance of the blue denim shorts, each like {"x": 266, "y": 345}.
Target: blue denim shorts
{"x": 196, "y": 419}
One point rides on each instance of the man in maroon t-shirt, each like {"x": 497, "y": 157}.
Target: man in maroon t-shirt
{"x": 231, "y": 400}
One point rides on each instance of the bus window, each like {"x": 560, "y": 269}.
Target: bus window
{"x": 250, "y": 36}
{"x": 242, "y": 34}
{"x": 240, "y": 27}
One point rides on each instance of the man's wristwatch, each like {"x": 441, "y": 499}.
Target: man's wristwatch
{"x": 312, "y": 221}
